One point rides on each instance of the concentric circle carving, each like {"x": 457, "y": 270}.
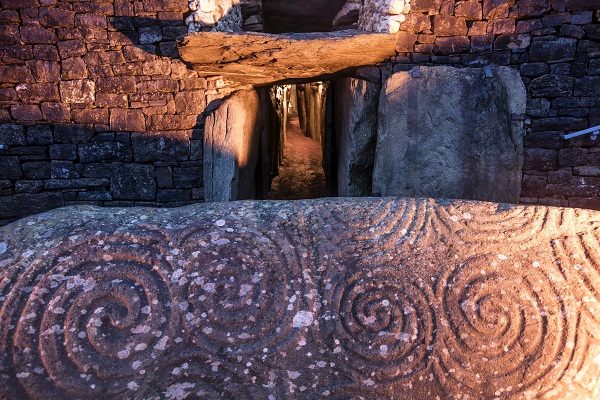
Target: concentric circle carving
{"x": 97, "y": 316}
{"x": 379, "y": 322}
{"x": 244, "y": 293}
{"x": 579, "y": 261}
{"x": 504, "y": 327}
{"x": 188, "y": 374}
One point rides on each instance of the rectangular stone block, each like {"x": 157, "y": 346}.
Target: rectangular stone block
{"x": 29, "y": 186}
{"x": 10, "y": 168}
{"x": 38, "y": 135}
{"x": 78, "y": 91}
{"x": 35, "y": 93}
{"x": 22, "y": 112}
{"x": 104, "y": 152}
{"x": 127, "y": 120}
{"x": 12, "y": 135}
{"x": 63, "y": 170}
{"x": 71, "y": 48}
{"x": 555, "y": 50}
{"x": 552, "y": 86}
{"x": 540, "y": 160}
{"x": 133, "y": 182}
{"x": 160, "y": 146}
{"x": 423, "y": 155}
{"x": 73, "y": 133}
{"x": 15, "y": 74}
{"x": 63, "y": 152}
{"x": 54, "y": 17}
{"x": 587, "y": 86}
{"x": 79, "y": 183}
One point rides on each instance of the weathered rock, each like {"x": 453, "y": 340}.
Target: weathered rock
{"x": 231, "y": 147}
{"x": 12, "y": 135}
{"x": 555, "y": 50}
{"x": 10, "y": 167}
{"x": 160, "y": 146}
{"x": 371, "y": 298}
{"x": 133, "y": 182}
{"x": 451, "y": 134}
{"x": 552, "y": 85}
{"x": 104, "y": 152}
{"x": 261, "y": 59}
{"x": 356, "y": 132}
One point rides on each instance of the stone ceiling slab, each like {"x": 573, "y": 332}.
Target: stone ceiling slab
{"x": 263, "y": 59}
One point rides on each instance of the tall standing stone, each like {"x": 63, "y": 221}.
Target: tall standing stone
{"x": 231, "y": 148}
{"x": 451, "y": 133}
{"x": 356, "y": 129}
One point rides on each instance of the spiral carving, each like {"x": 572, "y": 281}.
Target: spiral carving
{"x": 504, "y": 328}
{"x": 189, "y": 374}
{"x": 99, "y": 311}
{"x": 380, "y": 321}
{"x": 243, "y": 291}
{"x": 582, "y": 271}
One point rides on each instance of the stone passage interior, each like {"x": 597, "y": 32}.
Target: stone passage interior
{"x": 300, "y": 142}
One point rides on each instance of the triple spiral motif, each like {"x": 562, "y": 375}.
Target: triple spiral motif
{"x": 381, "y": 321}
{"x": 504, "y": 326}
{"x": 242, "y": 294}
{"x": 97, "y": 303}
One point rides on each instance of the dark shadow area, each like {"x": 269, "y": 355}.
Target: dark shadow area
{"x": 300, "y": 16}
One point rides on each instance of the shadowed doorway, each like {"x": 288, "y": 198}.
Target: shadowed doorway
{"x": 301, "y": 142}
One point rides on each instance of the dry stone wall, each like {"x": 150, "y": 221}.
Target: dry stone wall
{"x": 96, "y": 107}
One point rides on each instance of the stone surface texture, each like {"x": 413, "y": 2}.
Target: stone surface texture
{"x": 224, "y": 16}
{"x": 383, "y": 15}
{"x": 451, "y": 133}
{"x": 231, "y": 148}
{"x": 356, "y": 128}
{"x": 261, "y": 59}
{"x": 363, "y": 298}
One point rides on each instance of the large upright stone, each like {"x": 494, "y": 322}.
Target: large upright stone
{"x": 231, "y": 148}
{"x": 451, "y": 133}
{"x": 356, "y": 134}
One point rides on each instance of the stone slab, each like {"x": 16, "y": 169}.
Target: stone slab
{"x": 318, "y": 299}
{"x": 357, "y": 101}
{"x": 263, "y": 59}
{"x": 230, "y": 150}
{"x": 451, "y": 133}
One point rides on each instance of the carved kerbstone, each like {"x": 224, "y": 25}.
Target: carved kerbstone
{"x": 379, "y": 298}
{"x": 263, "y": 59}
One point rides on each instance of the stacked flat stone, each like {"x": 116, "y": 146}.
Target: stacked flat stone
{"x": 383, "y": 15}
{"x": 215, "y": 16}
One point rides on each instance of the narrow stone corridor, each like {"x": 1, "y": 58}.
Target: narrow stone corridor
{"x": 301, "y": 176}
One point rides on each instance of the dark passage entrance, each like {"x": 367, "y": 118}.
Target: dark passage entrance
{"x": 301, "y": 173}
{"x": 300, "y": 141}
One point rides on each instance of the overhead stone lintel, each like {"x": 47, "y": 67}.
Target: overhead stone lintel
{"x": 263, "y": 59}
